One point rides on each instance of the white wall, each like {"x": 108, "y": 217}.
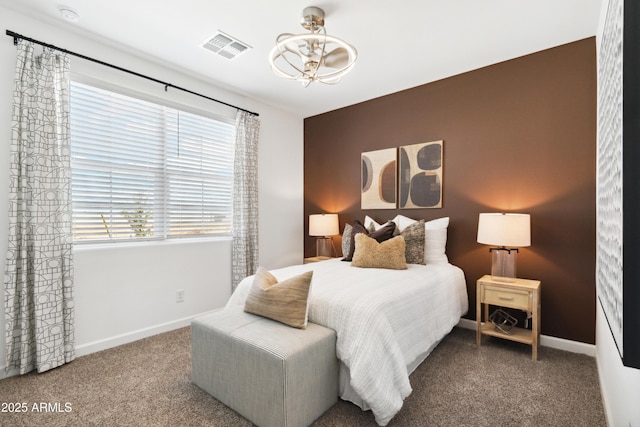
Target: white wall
{"x": 125, "y": 293}
{"x": 620, "y": 385}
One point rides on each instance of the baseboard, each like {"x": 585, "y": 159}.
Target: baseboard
{"x": 11, "y": 373}
{"x": 92, "y": 347}
{"x": 95, "y": 346}
{"x": 548, "y": 341}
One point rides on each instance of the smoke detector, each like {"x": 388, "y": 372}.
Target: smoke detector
{"x": 226, "y": 46}
{"x": 68, "y": 14}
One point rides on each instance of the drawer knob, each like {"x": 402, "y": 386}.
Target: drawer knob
{"x": 506, "y": 298}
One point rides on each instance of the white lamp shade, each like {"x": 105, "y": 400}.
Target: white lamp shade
{"x": 508, "y": 230}
{"x": 323, "y": 225}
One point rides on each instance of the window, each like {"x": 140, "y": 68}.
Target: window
{"x": 140, "y": 170}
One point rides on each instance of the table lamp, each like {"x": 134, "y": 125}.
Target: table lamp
{"x": 323, "y": 226}
{"x": 506, "y": 231}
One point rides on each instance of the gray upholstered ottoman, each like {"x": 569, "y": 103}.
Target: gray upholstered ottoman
{"x": 270, "y": 373}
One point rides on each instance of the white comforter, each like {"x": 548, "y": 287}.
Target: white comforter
{"x": 386, "y": 322}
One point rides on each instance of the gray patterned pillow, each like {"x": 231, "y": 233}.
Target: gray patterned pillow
{"x": 346, "y": 239}
{"x": 414, "y": 242}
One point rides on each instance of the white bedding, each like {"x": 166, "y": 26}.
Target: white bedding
{"x": 386, "y": 322}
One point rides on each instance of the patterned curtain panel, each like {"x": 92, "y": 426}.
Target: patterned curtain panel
{"x": 244, "y": 255}
{"x": 39, "y": 270}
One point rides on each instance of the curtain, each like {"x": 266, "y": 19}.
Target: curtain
{"x": 39, "y": 269}
{"x": 244, "y": 254}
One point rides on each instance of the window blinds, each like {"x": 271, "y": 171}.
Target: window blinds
{"x": 146, "y": 171}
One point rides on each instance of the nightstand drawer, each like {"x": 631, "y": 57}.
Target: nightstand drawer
{"x": 507, "y": 298}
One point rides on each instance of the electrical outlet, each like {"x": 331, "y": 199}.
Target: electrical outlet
{"x": 180, "y": 295}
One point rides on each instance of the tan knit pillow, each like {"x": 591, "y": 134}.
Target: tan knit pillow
{"x": 371, "y": 254}
{"x": 286, "y": 301}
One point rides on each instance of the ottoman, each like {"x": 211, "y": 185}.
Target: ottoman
{"x": 268, "y": 372}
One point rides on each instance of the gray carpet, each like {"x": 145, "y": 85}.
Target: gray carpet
{"x": 148, "y": 383}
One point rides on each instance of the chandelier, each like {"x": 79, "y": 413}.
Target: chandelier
{"x": 313, "y": 56}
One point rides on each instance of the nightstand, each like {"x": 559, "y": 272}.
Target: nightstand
{"x": 522, "y": 294}
{"x": 316, "y": 259}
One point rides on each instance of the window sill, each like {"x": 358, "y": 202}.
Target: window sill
{"x": 81, "y": 247}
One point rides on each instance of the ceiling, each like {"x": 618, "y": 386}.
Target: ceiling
{"x": 400, "y": 44}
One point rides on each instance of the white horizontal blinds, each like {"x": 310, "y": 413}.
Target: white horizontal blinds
{"x": 116, "y": 164}
{"x": 200, "y": 176}
{"x": 146, "y": 171}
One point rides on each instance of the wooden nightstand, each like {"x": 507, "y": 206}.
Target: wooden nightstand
{"x": 316, "y": 259}
{"x": 521, "y": 294}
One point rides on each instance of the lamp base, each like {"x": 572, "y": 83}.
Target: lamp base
{"x": 503, "y": 264}
{"x": 324, "y": 246}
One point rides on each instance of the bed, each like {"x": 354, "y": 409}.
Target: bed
{"x": 387, "y": 322}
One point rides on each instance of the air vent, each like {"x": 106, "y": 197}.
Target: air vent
{"x": 226, "y": 46}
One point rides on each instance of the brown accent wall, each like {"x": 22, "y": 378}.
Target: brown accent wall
{"x": 519, "y": 136}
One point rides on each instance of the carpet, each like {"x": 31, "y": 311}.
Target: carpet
{"x": 148, "y": 383}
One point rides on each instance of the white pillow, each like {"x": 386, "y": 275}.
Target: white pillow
{"x": 403, "y": 222}
{"x": 368, "y": 221}
{"x": 435, "y": 241}
{"x": 435, "y": 238}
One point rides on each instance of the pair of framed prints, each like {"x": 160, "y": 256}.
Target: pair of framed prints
{"x": 407, "y": 177}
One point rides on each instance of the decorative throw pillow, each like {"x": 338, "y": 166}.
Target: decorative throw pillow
{"x": 371, "y": 254}
{"x": 356, "y": 228}
{"x": 414, "y": 242}
{"x": 346, "y": 239}
{"x": 435, "y": 238}
{"x": 381, "y": 234}
{"x": 286, "y": 301}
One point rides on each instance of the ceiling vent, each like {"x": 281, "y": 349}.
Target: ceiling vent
{"x": 226, "y": 46}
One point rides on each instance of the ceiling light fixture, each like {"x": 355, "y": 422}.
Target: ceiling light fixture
{"x": 313, "y": 56}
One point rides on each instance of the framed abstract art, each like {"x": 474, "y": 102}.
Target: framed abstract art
{"x": 420, "y": 175}
{"x": 378, "y": 179}
{"x": 618, "y": 206}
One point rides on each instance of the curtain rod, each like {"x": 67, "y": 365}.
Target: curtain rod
{"x": 166, "y": 85}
